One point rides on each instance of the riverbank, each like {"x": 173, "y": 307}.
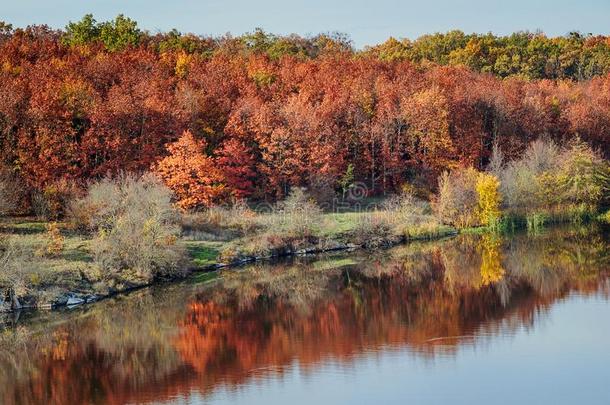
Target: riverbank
{"x": 68, "y": 276}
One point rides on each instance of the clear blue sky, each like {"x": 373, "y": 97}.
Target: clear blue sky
{"x": 366, "y": 22}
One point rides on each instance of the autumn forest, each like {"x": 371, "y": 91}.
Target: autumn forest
{"x": 262, "y": 113}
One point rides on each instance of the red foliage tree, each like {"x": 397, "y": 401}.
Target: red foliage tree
{"x": 237, "y": 164}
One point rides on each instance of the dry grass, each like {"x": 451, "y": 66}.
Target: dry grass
{"x": 298, "y": 224}
{"x": 27, "y": 273}
{"x": 219, "y": 223}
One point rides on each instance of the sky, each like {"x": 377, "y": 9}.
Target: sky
{"x": 366, "y": 22}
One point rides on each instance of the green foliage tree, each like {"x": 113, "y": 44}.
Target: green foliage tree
{"x": 120, "y": 33}
{"x": 115, "y": 35}
{"x": 5, "y": 30}
{"x": 174, "y": 40}
{"x": 82, "y": 32}
{"x": 347, "y": 180}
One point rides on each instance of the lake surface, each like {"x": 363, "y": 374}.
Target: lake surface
{"x": 472, "y": 319}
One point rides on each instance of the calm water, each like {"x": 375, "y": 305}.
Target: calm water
{"x": 474, "y": 319}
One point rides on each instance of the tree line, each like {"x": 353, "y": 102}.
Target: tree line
{"x": 254, "y": 115}
{"x": 530, "y": 55}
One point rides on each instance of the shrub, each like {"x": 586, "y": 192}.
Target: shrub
{"x": 373, "y": 230}
{"x": 135, "y": 227}
{"x": 295, "y": 223}
{"x": 489, "y": 198}
{"x": 54, "y": 201}
{"x": 55, "y": 241}
{"x": 551, "y": 181}
{"x": 581, "y": 173}
{"x": 403, "y": 206}
{"x": 496, "y": 162}
{"x": 409, "y": 216}
{"x": 17, "y": 272}
{"x": 457, "y": 201}
{"x": 518, "y": 187}
{"x": 523, "y": 182}
{"x": 298, "y": 215}
{"x": 541, "y": 156}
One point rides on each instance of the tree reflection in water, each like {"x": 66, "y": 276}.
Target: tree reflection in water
{"x": 430, "y": 298}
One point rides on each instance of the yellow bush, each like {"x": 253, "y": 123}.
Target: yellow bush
{"x": 489, "y": 198}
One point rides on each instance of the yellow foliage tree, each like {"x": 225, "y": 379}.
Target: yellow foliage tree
{"x": 488, "y": 192}
{"x": 182, "y": 64}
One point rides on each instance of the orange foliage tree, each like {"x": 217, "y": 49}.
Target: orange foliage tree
{"x": 190, "y": 174}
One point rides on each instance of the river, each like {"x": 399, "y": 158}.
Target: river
{"x": 494, "y": 319}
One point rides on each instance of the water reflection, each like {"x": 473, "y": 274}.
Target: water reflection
{"x": 433, "y": 299}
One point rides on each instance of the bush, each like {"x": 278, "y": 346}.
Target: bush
{"x": 552, "y": 181}
{"x": 54, "y": 244}
{"x": 457, "y": 201}
{"x": 374, "y": 230}
{"x": 298, "y": 215}
{"x": 489, "y": 198}
{"x": 404, "y": 206}
{"x": 135, "y": 227}
{"x": 410, "y": 217}
{"x": 102, "y": 200}
{"x": 524, "y": 181}
{"x": 295, "y": 223}
{"x": 581, "y": 173}
{"x": 17, "y": 272}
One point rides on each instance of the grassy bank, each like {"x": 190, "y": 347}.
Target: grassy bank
{"x": 331, "y": 231}
{"x": 71, "y": 276}
{"x": 68, "y": 273}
